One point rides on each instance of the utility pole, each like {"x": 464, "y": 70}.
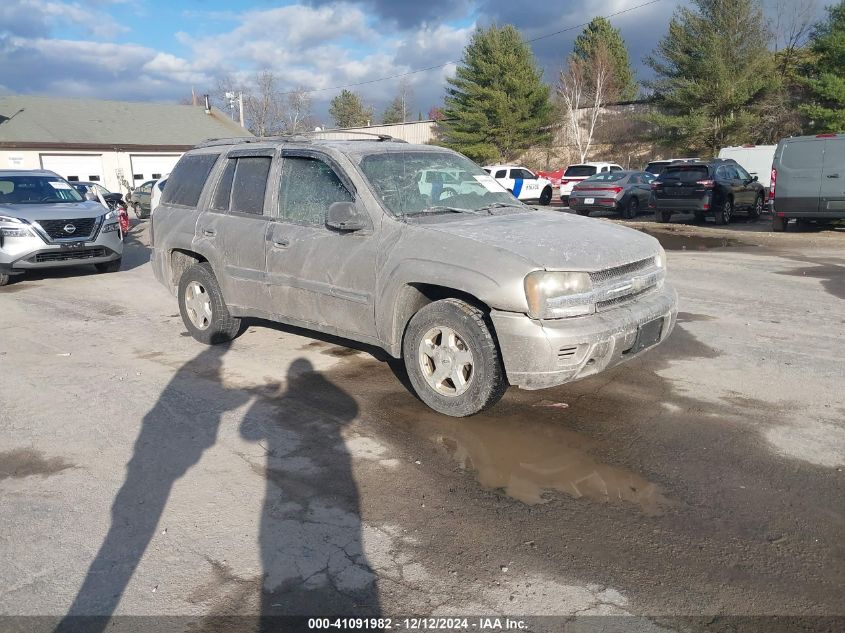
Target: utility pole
{"x": 241, "y": 106}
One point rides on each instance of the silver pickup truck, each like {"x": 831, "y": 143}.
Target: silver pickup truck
{"x": 473, "y": 289}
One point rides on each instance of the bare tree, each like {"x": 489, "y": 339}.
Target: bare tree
{"x": 584, "y": 86}
{"x": 791, "y": 26}
{"x": 299, "y": 117}
{"x": 263, "y": 109}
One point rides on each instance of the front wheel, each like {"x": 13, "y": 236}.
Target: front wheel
{"x": 109, "y": 267}
{"x": 546, "y": 197}
{"x": 202, "y": 307}
{"x": 723, "y": 214}
{"x": 452, "y": 360}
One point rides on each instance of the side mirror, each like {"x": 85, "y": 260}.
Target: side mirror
{"x": 345, "y": 216}
{"x": 754, "y": 179}
{"x": 90, "y": 196}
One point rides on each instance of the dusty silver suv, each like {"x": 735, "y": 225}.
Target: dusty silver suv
{"x": 473, "y": 289}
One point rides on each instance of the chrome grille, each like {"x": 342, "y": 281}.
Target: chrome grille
{"x": 617, "y": 301}
{"x": 625, "y": 270}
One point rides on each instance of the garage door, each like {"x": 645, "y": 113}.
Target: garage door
{"x": 84, "y": 167}
{"x": 152, "y": 166}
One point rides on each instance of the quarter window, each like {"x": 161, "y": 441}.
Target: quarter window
{"x": 188, "y": 179}
{"x": 307, "y": 189}
{"x": 249, "y": 185}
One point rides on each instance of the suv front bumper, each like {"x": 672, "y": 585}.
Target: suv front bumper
{"x": 19, "y": 254}
{"x": 539, "y": 354}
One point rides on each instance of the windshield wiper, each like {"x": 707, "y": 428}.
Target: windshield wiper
{"x": 501, "y": 205}
{"x": 441, "y": 209}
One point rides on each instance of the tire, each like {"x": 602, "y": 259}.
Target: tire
{"x": 109, "y": 267}
{"x": 662, "y": 216}
{"x": 216, "y": 324}
{"x": 757, "y": 210}
{"x": 700, "y": 216}
{"x": 631, "y": 209}
{"x": 483, "y": 372}
{"x": 724, "y": 213}
{"x": 778, "y": 224}
{"x": 546, "y": 197}
{"x": 139, "y": 213}
{"x": 564, "y": 200}
{"x": 4, "y": 279}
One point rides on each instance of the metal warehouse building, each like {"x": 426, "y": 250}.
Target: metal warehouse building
{"x": 114, "y": 143}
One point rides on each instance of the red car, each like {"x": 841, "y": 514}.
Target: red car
{"x": 552, "y": 176}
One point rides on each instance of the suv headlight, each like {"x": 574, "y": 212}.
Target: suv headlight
{"x": 553, "y": 295}
{"x": 111, "y": 215}
{"x": 13, "y": 227}
{"x": 660, "y": 258}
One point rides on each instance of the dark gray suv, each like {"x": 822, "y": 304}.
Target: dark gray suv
{"x": 472, "y": 288}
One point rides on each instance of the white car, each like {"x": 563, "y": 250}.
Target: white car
{"x": 523, "y": 183}
{"x": 440, "y": 184}
{"x": 155, "y": 193}
{"x": 581, "y": 171}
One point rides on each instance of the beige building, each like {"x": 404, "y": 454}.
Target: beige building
{"x": 419, "y": 132}
{"x": 115, "y": 143}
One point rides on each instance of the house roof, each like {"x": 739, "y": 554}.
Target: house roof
{"x": 27, "y": 121}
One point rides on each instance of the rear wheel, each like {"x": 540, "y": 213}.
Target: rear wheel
{"x": 202, "y": 307}
{"x": 662, "y": 216}
{"x": 757, "y": 209}
{"x": 452, "y": 360}
{"x": 632, "y": 208}
{"x": 723, "y": 214}
{"x": 109, "y": 267}
{"x": 546, "y": 197}
{"x": 778, "y": 224}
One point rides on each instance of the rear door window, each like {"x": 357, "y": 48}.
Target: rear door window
{"x": 188, "y": 179}
{"x": 223, "y": 193}
{"x": 803, "y": 155}
{"x": 250, "y": 184}
{"x": 502, "y": 173}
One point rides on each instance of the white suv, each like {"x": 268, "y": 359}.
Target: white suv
{"x": 523, "y": 183}
{"x": 581, "y": 171}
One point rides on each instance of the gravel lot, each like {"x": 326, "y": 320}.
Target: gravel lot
{"x": 142, "y": 473}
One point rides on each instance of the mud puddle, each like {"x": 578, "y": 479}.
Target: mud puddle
{"x": 25, "y": 462}
{"x": 530, "y": 455}
{"x": 680, "y": 242}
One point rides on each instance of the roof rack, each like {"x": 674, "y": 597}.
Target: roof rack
{"x": 304, "y": 137}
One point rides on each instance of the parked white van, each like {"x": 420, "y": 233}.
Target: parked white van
{"x": 755, "y": 159}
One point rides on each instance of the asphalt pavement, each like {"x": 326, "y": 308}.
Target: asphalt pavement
{"x": 142, "y": 473}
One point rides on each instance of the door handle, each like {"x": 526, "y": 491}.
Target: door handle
{"x": 833, "y": 175}
{"x": 209, "y": 232}
{"x": 281, "y": 242}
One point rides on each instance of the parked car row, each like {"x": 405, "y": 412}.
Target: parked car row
{"x": 801, "y": 178}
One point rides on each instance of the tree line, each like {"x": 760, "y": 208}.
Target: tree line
{"x": 722, "y": 75}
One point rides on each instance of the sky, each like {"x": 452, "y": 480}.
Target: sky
{"x": 158, "y": 50}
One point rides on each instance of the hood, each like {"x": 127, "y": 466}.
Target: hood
{"x": 53, "y": 211}
{"x": 555, "y": 241}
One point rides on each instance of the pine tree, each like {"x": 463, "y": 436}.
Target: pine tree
{"x": 598, "y": 32}
{"x": 827, "y": 84}
{"x": 497, "y": 105}
{"x": 713, "y": 71}
{"x": 393, "y": 112}
{"x": 347, "y": 110}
